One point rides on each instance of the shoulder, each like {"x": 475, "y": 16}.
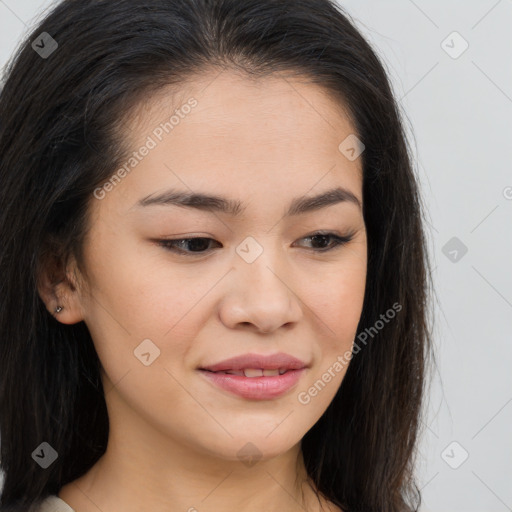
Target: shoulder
{"x": 54, "y": 504}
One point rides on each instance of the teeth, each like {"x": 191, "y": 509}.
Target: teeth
{"x": 253, "y": 372}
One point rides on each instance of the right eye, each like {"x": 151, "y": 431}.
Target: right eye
{"x": 198, "y": 245}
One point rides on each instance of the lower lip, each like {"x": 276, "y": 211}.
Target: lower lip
{"x": 255, "y": 388}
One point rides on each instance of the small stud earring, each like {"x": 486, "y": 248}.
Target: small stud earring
{"x": 58, "y": 309}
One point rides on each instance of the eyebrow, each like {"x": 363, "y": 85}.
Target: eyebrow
{"x": 215, "y": 203}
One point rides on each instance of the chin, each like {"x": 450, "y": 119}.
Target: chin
{"x": 248, "y": 448}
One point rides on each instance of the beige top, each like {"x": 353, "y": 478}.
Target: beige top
{"x": 55, "y": 504}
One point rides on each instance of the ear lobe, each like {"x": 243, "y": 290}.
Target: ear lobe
{"x": 59, "y": 293}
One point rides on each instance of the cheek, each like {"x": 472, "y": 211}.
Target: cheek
{"x": 337, "y": 300}
{"x": 337, "y": 307}
{"x": 135, "y": 290}
{"x": 172, "y": 304}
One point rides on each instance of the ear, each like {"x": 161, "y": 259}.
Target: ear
{"x": 57, "y": 285}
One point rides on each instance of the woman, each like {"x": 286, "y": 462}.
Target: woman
{"x": 215, "y": 278}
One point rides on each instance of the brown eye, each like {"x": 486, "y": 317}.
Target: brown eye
{"x": 320, "y": 241}
{"x": 197, "y": 245}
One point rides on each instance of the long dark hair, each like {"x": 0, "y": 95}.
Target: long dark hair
{"x": 60, "y": 122}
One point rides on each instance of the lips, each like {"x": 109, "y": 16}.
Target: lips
{"x": 255, "y": 376}
{"x": 255, "y": 365}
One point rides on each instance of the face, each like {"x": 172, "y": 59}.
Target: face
{"x": 256, "y": 278}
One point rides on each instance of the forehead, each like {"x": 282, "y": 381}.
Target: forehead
{"x": 265, "y": 135}
{"x": 231, "y": 99}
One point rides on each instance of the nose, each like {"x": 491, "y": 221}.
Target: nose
{"x": 260, "y": 295}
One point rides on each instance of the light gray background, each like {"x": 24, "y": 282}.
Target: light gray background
{"x": 458, "y": 114}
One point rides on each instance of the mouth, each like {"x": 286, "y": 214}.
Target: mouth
{"x": 256, "y": 376}
{"x": 253, "y": 372}
{"x": 257, "y": 387}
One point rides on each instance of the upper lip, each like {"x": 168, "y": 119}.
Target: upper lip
{"x": 265, "y": 362}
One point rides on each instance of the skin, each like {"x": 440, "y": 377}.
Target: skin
{"x": 174, "y": 436}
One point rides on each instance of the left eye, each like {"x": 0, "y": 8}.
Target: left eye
{"x": 200, "y": 245}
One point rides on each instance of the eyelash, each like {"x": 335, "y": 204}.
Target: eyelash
{"x": 168, "y": 244}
